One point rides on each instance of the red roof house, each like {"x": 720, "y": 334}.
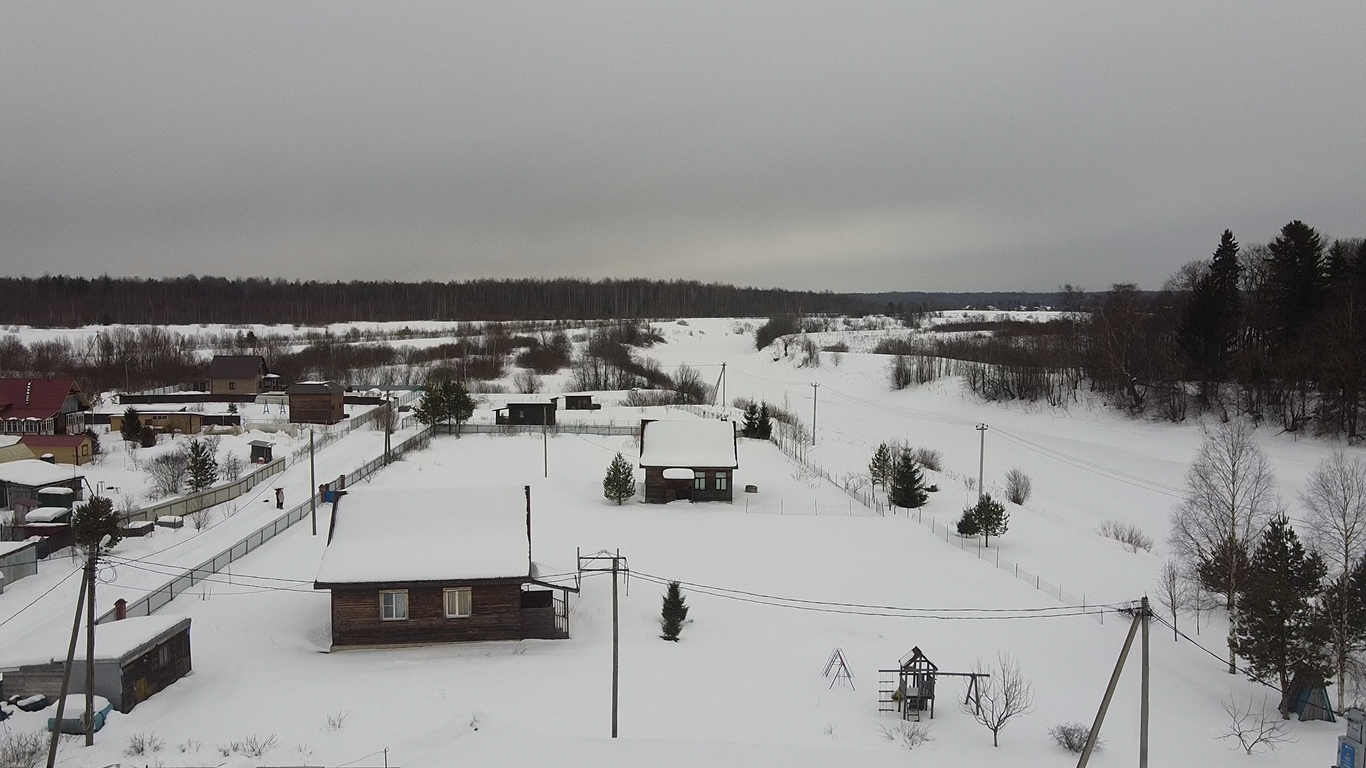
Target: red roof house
{"x": 42, "y": 407}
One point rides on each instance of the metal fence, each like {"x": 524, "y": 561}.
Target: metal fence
{"x": 150, "y": 603}
{"x": 569, "y": 428}
{"x": 186, "y": 505}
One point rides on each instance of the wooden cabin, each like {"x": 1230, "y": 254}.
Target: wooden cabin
{"x": 237, "y": 374}
{"x": 432, "y": 565}
{"x": 22, "y": 479}
{"x": 42, "y": 407}
{"x": 183, "y": 421}
{"x": 262, "y": 451}
{"x": 539, "y": 412}
{"x": 134, "y": 659}
{"x": 18, "y": 559}
{"x": 316, "y": 402}
{"x": 65, "y": 449}
{"x": 691, "y": 459}
{"x": 580, "y": 403}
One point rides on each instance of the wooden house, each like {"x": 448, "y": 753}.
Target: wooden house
{"x": 316, "y": 402}
{"x": 527, "y": 412}
{"x": 134, "y": 659}
{"x": 65, "y": 449}
{"x": 12, "y": 449}
{"x": 42, "y": 407}
{"x": 237, "y": 374}
{"x": 428, "y": 565}
{"x": 22, "y": 480}
{"x": 580, "y": 403}
{"x": 694, "y": 459}
{"x": 181, "y": 420}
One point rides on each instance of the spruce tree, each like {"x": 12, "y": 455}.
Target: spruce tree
{"x": 1207, "y": 330}
{"x": 95, "y": 525}
{"x": 1277, "y": 628}
{"x": 1225, "y": 563}
{"x": 765, "y": 423}
{"x": 1298, "y": 280}
{"x": 1343, "y": 614}
{"x": 620, "y": 483}
{"x": 751, "y": 428}
{"x": 431, "y": 409}
{"x": 880, "y": 467}
{"x": 131, "y": 429}
{"x": 203, "y": 467}
{"x": 459, "y": 406}
{"x": 673, "y": 613}
{"x": 991, "y": 517}
{"x": 908, "y": 486}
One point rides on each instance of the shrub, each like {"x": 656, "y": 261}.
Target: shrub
{"x": 900, "y": 372}
{"x": 1018, "y": 486}
{"x": 928, "y": 458}
{"x": 527, "y": 382}
{"x": 968, "y": 525}
{"x": 673, "y": 613}
{"x": 1072, "y": 736}
{"x": 778, "y": 325}
{"x": 1130, "y": 536}
{"x": 838, "y": 346}
{"x": 143, "y": 744}
{"x": 907, "y": 734}
{"x": 23, "y": 749}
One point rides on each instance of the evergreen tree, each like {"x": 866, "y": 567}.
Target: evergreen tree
{"x": 751, "y": 427}
{"x": 991, "y": 517}
{"x": 880, "y": 467}
{"x": 1343, "y": 614}
{"x": 94, "y": 441}
{"x": 1278, "y": 629}
{"x": 459, "y": 406}
{"x": 673, "y": 613}
{"x": 95, "y": 525}
{"x": 1208, "y": 328}
{"x": 131, "y": 429}
{"x": 1222, "y": 567}
{"x": 907, "y": 486}
{"x": 620, "y": 483}
{"x": 765, "y": 423}
{"x": 968, "y": 524}
{"x": 431, "y": 409}
{"x": 232, "y": 408}
{"x": 1299, "y": 281}
{"x": 203, "y": 467}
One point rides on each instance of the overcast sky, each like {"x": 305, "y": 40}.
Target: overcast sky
{"x": 840, "y": 145}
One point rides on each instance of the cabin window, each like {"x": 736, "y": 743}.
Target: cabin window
{"x": 393, "y": 605}
{"x": 458, "y": 602}
{"x": 163, "y": 655}
{"x": 232, "y": 385}
{"x": 722, "y": 481}
{"x": 699, "y": 480}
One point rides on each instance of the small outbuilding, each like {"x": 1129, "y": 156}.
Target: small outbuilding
{"x": 65, "y": 449}
{"x": 184, "y": 421}
{"x": 316, "y": 402}
{"x": 428, "y": 565}
{"x": 580, "y": 403}
{"x": 12, "y": 449}
{"x": 22, "y": 479}
{"x": 694, "y": 459}
{"x": 527, "y": 412}
{"x": 18, "y": 559}
{"x": 262, "y": 451}
{"x": 134, "y": 659}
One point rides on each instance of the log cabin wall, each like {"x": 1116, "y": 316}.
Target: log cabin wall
{"x": 495, "y": 614}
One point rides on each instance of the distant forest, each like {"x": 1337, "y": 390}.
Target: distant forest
{"x": 60, "y": 301}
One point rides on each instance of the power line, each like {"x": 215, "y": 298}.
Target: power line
{"x": 39, "y": 597}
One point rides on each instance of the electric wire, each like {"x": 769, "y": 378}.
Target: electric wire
{"x": 40, "y": 597}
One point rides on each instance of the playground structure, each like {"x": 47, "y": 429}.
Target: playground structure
{"x": 910, "y": 688}
{"x": 837, "y": 668}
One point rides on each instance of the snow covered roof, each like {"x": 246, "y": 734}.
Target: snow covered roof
{"x": 34, "y": 472}
{"x": 8, "y": 440}
{"x": 10, "y": 547}
{"x": 46, "y": 514}
{"x": 114, "y": 640}
{"x": 315, "y": 388}
{"x": 405, "y": 534}
{"x": 690, "y": 443}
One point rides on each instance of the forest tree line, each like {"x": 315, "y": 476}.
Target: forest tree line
{"x": 62, "y": 301}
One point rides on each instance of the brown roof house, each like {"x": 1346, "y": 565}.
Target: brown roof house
{"x": 42, "y": 407}
{"x": 12, "y": 449}
{"x": 437, "y": 565}
{"x": 693, "y": 459}
{"x": 237, "y": 374}
{"x": 64, "y": 449}
{"x": 316, "y": 402}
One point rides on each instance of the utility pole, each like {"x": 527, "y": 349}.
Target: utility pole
{"x": 545, "y": 452}
{"x": 814, "y": 389}
{"x": 312, "y": 486}
{"x": 616, "y": 666}
{"x": 91, "y": 558}
{"x": 1143, "y": 702}
{"x": 388, "y": 426}
{"x": 66, "y": 675}
{"x": 723, "y": 386}
{"x": 1109, "y": 693}
{"x": 981, "y": 460}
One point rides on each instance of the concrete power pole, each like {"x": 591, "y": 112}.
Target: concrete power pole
{"x": 312, "y": 486}
{"x": 814, "y": 389}
{"x": 981, "y": 460}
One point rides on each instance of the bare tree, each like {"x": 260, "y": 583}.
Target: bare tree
{"x": 1255, "y": 728}
{"x": 527, "y": 382}
{"x": 1230, "y": 498}
{"x": 200, "y": 518}
{"x": 1001, "y": 696}
{"x": 231, "y": 466}
{"x": 1335, "y": 513}
{"x": 1173, "y": 591}
{"x": 1018, "y": 486}
{"x": 167, "y": 472}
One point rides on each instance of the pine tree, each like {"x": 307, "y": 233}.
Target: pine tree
{"x": 991, "y": 517}
{"x": 203, "y": 466}
{"x": 459, "y": 406}
{"x": 880, "y": 467}
{"x": 1298, "y": 280}
{"x": 1278, "y": 629}
{"x": 908, "y": 485}
{"x": 673, "y": 613}
{"x": 431, "y": 409}
{"x": 1216, "y": 568}
{"x": 620, "y": 483}
{"x": 131, "y": 429}
{"x": 95, "y": 525}
{"x": 967, "y": 524}
{"x": 1207, "y": 331}
{"x": 232, "y": 407}
{"x": 751, "y": 428}
{"x": 765, "y": 431}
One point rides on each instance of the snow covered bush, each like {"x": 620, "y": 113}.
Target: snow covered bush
{"x": 1018, "y": 486}
{"x": 23, "y": 749}
{"x": 527, "y": 382}
{"x": 143, "y": 744}
{"x": 907, "y": 734}
{"x": 1072, "y": 736}
{"x": 1129, "y": 535}
{"x": 166, "y": 472}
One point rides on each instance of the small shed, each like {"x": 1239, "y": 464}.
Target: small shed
{"x": 527, "y": 412}
{"x": 184, "y": 421}
{"x": 316, "y": 402}
{"x": 65, "y": 449}
{"x": 262, "y": 451}
{"x": 13, "y": 449}
{"x": 18, "y": 559}
{"x": 134, "y": 659}
{"x": 580, "y": 403}
{"x": 424, "y": 565}
{"x": 694, "y": 459}
{"x": 22, "y": 479}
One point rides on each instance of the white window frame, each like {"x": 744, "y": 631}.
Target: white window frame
{"x": 385, "y": 609}
{"x": 722, "y": 481}
{"x": 446, "y": 595}
{"x": 699, "y": 480}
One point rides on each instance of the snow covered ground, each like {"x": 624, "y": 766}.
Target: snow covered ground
{"x": 744, "y": 685}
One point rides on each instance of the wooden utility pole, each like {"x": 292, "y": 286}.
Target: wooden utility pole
{"x": 981, "y": 460}
{"x": 1109, "y": 693}
{"x": 616, "y": 666}
{"x": 545, "y": 451}
{"x": 66, "y": 675}
{"x": 723, "y": 385}
{"x": 814, "y": 389}
{"x": 91, "y": 559}
{"x": 1143, "y": 702}
{"x": 312, "y": 486}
